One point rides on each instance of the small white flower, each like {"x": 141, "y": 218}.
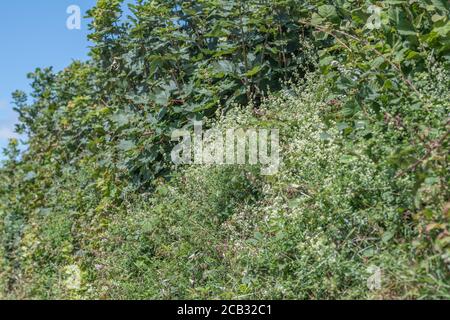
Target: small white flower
{"x": 72, "y": 277}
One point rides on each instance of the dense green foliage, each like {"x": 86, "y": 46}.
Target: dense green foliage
{"x": 360, "y": 91}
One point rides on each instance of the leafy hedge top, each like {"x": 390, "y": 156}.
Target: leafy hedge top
{"x": 172, "y": 62}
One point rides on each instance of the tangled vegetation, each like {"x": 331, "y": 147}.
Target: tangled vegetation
{"x": 360, "y": 91}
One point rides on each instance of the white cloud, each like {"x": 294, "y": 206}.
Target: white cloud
{"x": 3, "y": 104}
{"x": 7, "y": 133}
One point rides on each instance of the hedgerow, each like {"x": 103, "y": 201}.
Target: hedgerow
{"x": 94, "y": 207}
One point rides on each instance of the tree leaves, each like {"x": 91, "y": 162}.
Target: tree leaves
{"x": 254, "y": 71}
{"x": 175, "y": 65}
{"x": 402, "y": 23}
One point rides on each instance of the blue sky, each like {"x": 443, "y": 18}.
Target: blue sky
{"x": 34, "y": 34}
